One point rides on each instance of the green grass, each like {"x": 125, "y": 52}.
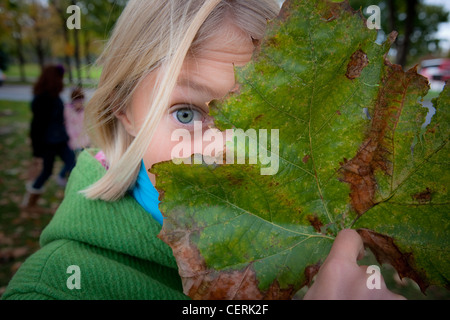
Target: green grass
{"x": 32, "y": 72}
{"x": 431, "y": 95}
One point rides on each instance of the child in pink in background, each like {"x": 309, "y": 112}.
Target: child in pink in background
{"x": 74, "y": 118}
{"x": 74, "y": 122}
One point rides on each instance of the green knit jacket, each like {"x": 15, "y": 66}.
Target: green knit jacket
{"x": 113, "y": 246}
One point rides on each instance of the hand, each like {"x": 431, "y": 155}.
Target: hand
{"x": 341, "y": 278}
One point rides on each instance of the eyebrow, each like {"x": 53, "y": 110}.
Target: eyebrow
{"x": 203, "y": 89}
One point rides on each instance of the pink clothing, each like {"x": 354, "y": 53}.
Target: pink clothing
{"x": 100, "y": 156}
{"x": 78, "y": 139}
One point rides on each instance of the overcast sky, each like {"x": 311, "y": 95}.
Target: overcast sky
{"x": 444, "y": 28}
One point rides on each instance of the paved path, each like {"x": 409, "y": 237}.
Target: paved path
{"x": 14, "y": 92}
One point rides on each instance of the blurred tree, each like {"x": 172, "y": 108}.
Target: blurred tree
{"x": 41, "y": 25}
{"x": 76, "y": 39}
{"x": 41, "y": 29}
{"x": 59, "y": 10}
{"x": 100, "y": 18}
{"x": 97, "y": 19}
{"x": 15, "y": 21}
{"x": 4, "y": 58}
{"x": 416, "y": 23}
{"x": 4, "y": 43}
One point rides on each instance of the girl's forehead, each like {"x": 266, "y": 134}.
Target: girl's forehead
{"x": 211, "y": 71}
{"x": 229, "y": 44}
{"x": 207, "y": 78}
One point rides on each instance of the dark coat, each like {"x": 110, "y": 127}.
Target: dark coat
{"x": 47, "y": 126}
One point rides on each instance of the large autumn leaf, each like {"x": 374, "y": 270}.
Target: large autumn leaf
{"x": 353, "y": 153}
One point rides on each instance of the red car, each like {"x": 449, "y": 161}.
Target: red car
{"x": 435, "y": 69}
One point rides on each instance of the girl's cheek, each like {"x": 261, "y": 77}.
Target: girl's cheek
{"x": 174, "y": 142}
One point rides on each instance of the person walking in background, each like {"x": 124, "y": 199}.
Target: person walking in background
{"x": 48, "y": 134}
{"x": 74, "y": 122}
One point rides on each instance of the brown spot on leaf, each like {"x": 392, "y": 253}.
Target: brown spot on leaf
{"x": 386, "y": 251}
{"x": 434, "y": 129}
{"x": 275, "y": 292}
{"x": 161, "y": 195}
{"x": 328, "y": 16}
{"x": 306, "y": 158}
{"x": 273, "y": 42}
{"x": 235, "y": 180}
{"x": 358, "y": 61}
{"x": 273, "y": 184}
{"x": 423, "y": 197}
{"x": 203, "y": 283}
{"x": 315, "y": 222}
{"x": 310, "y": 272}
{"x": 376, "y": 151}
{"x": 259, "y": 117}
{"x": 334, "y": 10}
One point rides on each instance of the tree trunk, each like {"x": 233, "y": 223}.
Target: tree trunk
{"x": 20, "y": 55}
{"x": 87, "y": 55}
{"x": 67, "y": 61}
{"x": 40, "y": 51}
{"x": 66, "y": 54}
{"x": 392, "y": 15}
{"x": 23, "y": 77}
{"x": 403, "y": 49}
{"x": 77, "y": 56}
{"x": 77, "y": 52}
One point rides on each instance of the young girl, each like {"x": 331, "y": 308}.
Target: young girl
{"x": 48, "y": 134}
{"x": 166, "y": 60}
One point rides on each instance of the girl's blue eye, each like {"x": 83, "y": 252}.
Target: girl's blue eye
{"x": 187, "y": 115}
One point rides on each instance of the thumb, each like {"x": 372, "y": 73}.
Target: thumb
{"x": 348, "y": 246}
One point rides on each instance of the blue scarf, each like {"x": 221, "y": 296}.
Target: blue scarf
{"x": 146, "y": 194}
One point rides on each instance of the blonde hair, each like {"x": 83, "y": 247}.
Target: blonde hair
{"x": 151, "y": 35}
